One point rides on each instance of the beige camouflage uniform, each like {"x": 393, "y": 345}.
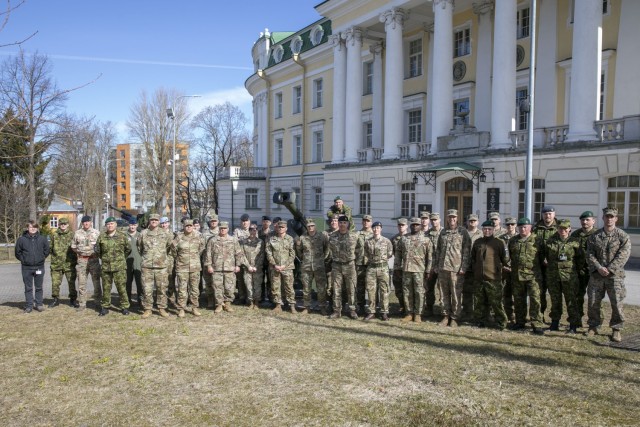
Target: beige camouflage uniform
{"x": 187, "y": 249}
{"x": 280, "y": 251}
{"x": 378, "y": 251}
{"x": 83, "y": 244}
{"x": 451, "y": 261}
{"x": 154, "y": 247}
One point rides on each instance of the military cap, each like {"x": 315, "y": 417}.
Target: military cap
{"x": 164, "y": 219}
{"x": 452, "y": 212}
{"x": 196, "y": 221}
{"x": 63, "y": 221}
{"x": 488, "y": 223}
{"x": 415, "y": 221}
{"x": 494, "y": 215}
{"x": 154, "y": 216}
{"x": 548, "y": 208}
{"x": 472, "y": 217}
{"x": 187, "y": 222}
{"x": 434, "y": 215}
{"x": 86, "y": 218}
{"x": 337, "y": 198}
{"x": 253, "y": 227}
{"x": 587, "y": 214}
{"x": 266, "y": 218}
{"x": 524, "y": 221}
{"x": 310, "y": 221}
{"x": 376, "y": 224}
{"x": 564, "y": 223}
{"x": 244, "y": 217}
{"x": 343, "y": 218}
{"x": 276, "y": 219}
{"x": 402, "y": 221}
{"x": 282, "y": 223}
{"x": 223, "y": 224}
{"x": 110, "y": 219}
{"x": 213, "y": 217}
{"x": 425, "y": 214}
{"x": 367, "y": 217}
{"x": 133, "y": 221}
{"x": 610, "y": 211}
{"x": 510, "y": 220}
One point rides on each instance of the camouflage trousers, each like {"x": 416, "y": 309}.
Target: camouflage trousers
{"x": 583, "y": 285}
{"x": 378, "y": 284}
{"x": 615, "y": 289}
{"x": 413, "y": 292}
{"x": 543, "y": 290}
{"x": 468, "y": 291}
{"x": 84, "y": 268}
{"x": 171, "y": 284}
{"x": 343, "y": 274}
{"x": 56, "y": 282}
{"x": 397, "y": 287}
{"x": 187, "y": 288}
{"x": 159, "y": 278}
{"x": 242, "y": 286}
{"x": 119, "y": 278}
{"x": 487, "y": 296}
{"x": 223, "y": 286}
{"x": 559, "y": 288}
{"x": 450, "y": 286}
{"x": 320, "y": 277}
{"x": 521, "y": 290}
{"x": 507, "y": 297}
{"x": 208, "y": 285}
{"x": 282, "y": 280}
{"x": 253, "y": 282}
{"x": 430, "y": 287}
{"x": 361, "y": 285}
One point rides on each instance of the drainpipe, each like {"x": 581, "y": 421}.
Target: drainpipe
{"x": 267, "y": 181}
{"x": 296, "y": 59}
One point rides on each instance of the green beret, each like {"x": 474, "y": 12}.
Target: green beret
{"x": 488, "y": 223}
{"x": 587, "y": 214}
{"x": 110, "y": 219}
{"x": 524, "y": 221}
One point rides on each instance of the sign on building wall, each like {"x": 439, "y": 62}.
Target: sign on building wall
{"x": 493, "y": 200}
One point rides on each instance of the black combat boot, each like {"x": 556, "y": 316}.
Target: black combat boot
{"x": 555, "y": 325}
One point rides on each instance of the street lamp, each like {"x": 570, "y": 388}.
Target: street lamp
{"x": 171, "y": 114}
{"x": 106, "y": 184}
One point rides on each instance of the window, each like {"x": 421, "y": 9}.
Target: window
{"x": 317, "y": 198}
{"x": 415, "y": 58}
{"x": 122, "y": 154}
{"x": 317, "y": 93}
{"x": 123, "y": 185}
{"x": 123, "y": 164}
{"x": 623, "y": 193}
{"x": 407, "y": 199}
{"x": 523, "y": 116}
{"x": 297, "y": 149}
{"x": 298, "y": 196}
{"x": 606, "y": 6}
{"x": 123, "y": 197}
{"x": 318, "y": 146}
{"x": 365, "y": 199}
{"x": 537, "y": 201}
{"x": 251, "y": 198}
{"x": 53, "y": 222}
{"x": 277, "y": 155}
{"x": 461, "y": 106}
{"x": 415, "y": 126}
{"x": 462, "y": 42}
{"x": 368, "y": 134}
{"x": 522, "y": 19}
{"x": 278, "y": 105}
{"x": 122, "y": 174}
{"x": 602, "y": 96}
{"x": 368, "y": 78}
{"x": 297, "y": 100}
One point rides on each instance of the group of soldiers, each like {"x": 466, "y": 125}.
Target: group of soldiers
{"x": 491, "y": 275}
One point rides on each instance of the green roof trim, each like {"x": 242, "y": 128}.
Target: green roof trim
{"x": 458, "y": 167}
{"x": 278, "y": 36}
{"x": 305, "y": 36}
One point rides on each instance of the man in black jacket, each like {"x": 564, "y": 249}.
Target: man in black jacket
{"x": 31, "y": 250}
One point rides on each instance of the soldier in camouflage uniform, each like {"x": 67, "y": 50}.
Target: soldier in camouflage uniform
{"x": 468, "y": 282}
{"x": 223, "y": 258}
{"x": 562, "y": 277}
{"x": 207, "y": 234}
{"x": 63, "y": 263}
{"x": 507, "y": 285}
{"x": 425, "y": 222}
{"x": 253, "y": 248}
{"x": 451, "y": 262}
{"x": 312, "y": 249}
{"x": 333, "y": 228}
{"x": 488, "y": 257}
{"x": 281, "y": 256}
{"x": 187, "y": 247}
{"x": 83, "y": 244}
{"x": 397, "y": 262}
{"x": 495, "y": 218}
{"x": 378, "y": 250}
{"x": 431, "y": 280}
{"x": 240, "y": 234}
{"x": 361, "y": 263}
{"x": 582, "y": 234}
{"x": 544, "y": 229}
{"x": 344, "y": 244}
{"x": 265, "y": 233}
{"x": 113, "y": 248}
{"x": 134, "y": 271}
{"x": 525, "y": 277}
{"x": 339, "y": 209}
{"x": 172, "y": 296}
{"x": 154, "y": 245}
{"x": 416, "y": 252}
{"x": 608, "y": 250}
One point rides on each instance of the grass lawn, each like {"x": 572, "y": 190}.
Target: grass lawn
{"x": 251, "y": 368}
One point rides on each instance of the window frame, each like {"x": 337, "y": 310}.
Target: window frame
{"x": 251, "y": 198}
{"x": 277, "y": 105}
{"x": 318, "y": 93}
{"x": 296, "y": 99}
{"x": 523, "y": 23}
{"x": 414, "y": 128}
{"x": 464, "y": 48}
{"x": 364, "y": 199}
{"x": 407, "y": 199}
{"x": 539, "y": 192}
{"x": 415, "y": 59}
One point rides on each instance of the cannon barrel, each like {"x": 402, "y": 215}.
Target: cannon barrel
{"x": 288, "y": 199}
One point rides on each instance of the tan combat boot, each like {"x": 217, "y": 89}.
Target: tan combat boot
{"x": 227, "y": 307}
{"x": 196, "y": 312}
{"x": 616, "y": 337}
{"x": 146, "y": 314}
{"x": 407, "y": 318}
{"x": 592, "y": 332}
{"x": 218, "y": 309}
{"x": 304, "y": 311}
{"x": 444, "y": 321}
{"x": 453, "y": 323}
{"x": 417, "y": 318}
{"x": 250, "y": 305}
{"x": 277, "y": 308}
{"x": 163, "y": 313}
{"x": 292, "y": 309}
{"x": 181, "y": 313}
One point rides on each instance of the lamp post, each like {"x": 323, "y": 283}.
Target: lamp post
{"x": 106, "y": 185}
{"x": 171, "y": 114}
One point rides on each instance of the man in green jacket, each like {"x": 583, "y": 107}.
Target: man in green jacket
{"x": 112, "y": 248}
{"x": 63, "y": 263}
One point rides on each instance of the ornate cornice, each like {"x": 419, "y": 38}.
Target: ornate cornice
{"x": 393, "y": 17}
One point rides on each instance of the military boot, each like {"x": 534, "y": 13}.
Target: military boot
{"x": 196, "y": 312}
{"x": 593, "y": 331}
{"x": 163, "y": 313}
{"x": 453, "y": 323}
{"x": 555, "y": 325}
{"x": 616, "y": 337}
{"x": 210, "y": 302}
{"x": 181, "y": 313}
{"x": 573, "y": 329}
{"x": 444, "y": 321}
{"x": 256, "y": 304}
{"x": 218, "y": 309}
{"x": 417, "y": 318}
{"x": 54, "y": 303}
{"x": 292, "y": 309}
{"x": 250, "y": 305}
{"x": 277, "y": 308}
{"x": 227, "y": 307}
{"x": 323, "y": 310}
{"x": 305, "y": 311}
{"x": 407, "y": 318}
{"x": 146, "y": 314}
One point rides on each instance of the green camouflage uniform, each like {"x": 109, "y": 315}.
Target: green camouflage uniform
{"x": 346, "y": 211}
{"x": 187, "y": 249}
{"x": 63, "y": 263}
{"x": 83, "y": 244}
{"x": 280, "y": 251}
{"x": 397, "y": 269}
{"x": 378, "y": 251}
{"x": 223, "y": 254}
{"x": 468, "y": 280}
{"x": 113, "y": 251}
{"x": 452, "y": 258}
{"x": 313, "y": 252}
{"x": 542, "y": 234}
{"x": 562, "y": 277}
{"x": 343, "y": 268}
{"x": 611, "y": 250}
{"x": 488, "y": 257}
{"x": 154, "y": 247}
{"x": 525, "y": 276}
{"x": 582, "y": 267}
{"x": 253, "y": 250}
{"x": 431, "y": 277}
{"x": 507, "y": 284}
{"x": 361, "y": 269}
{"x": 416, "y": 253}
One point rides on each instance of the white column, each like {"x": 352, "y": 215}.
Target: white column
{"x": 482, "y": 114}
{"x": 585, "y": 70}
{"x": 503, "y": 88}
{"x": 429, "y": 116}
{"x": 353, "y": 125}
{"x": 442, "y": 83}
{"x": 393, "y": 79}
{"x": 339, "y": 89}
{"x": 546, "y": 80}
{"x": 263, "y": 129}
{"x": 626, "y": 97}
{"x": 378, "y": 96}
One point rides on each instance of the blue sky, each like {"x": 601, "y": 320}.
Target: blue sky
{"x": 195, "y": 46}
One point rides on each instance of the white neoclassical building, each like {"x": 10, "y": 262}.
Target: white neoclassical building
{"x": 403, "y": 105}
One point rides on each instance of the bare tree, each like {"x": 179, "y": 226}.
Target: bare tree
{"x": 13, "y": 215}
{"x": 4, "y": 20}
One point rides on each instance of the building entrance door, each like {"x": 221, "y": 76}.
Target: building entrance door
{"x": 459, "y": 195}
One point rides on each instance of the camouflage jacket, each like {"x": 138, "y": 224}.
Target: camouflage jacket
{"x": 611, "y": 250}
{"x": 582, "y": 266}
{"x": 488, "y": 256}
{"x": 416, "y": 252}
{"x": 378, "y": 251}
{"x": 433, "y": 235}
{"x": 62, "y": 256}
{"x": 505, "y": 237}
{"x": 241, "y": 234}
{"x": 154, "y": 247}
{"x": 113, "y": 250}
{"x": 346, "y": 211}
{"x": 454, "y": 247}
{"x": 497, "y": 232}
{"x": 170, "y": 256}
{"x": 524, "y": 258}
{"x": 344, "y": 246}
{"x": 561, "y": 256}
{"x": 209, "y": 233}
{"x": 254, "y": 251}
{"x": 397, "y": 258}
{"x": 84, "y": 242}
{"x": 187, "y": 249}
{"x": 280, "y": 251}
{"x": 361, "y": 257}
{"x": 224, "y": 254}
{"x": 312, "y": 251}
{"x": 542, "y": 233}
